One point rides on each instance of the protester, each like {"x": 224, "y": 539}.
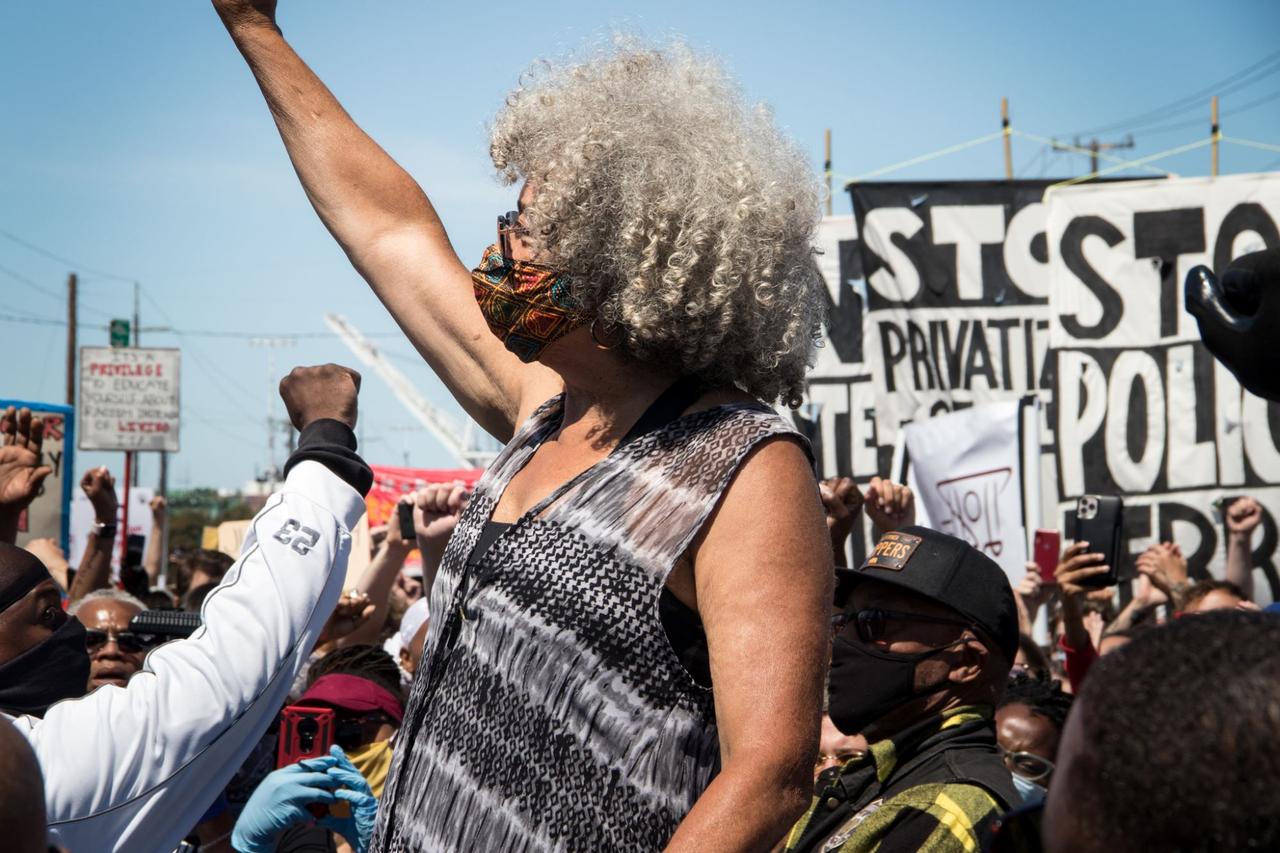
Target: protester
{"x": 888, "y": 505}
{"x": 21, "y": 471}
{"x": 923, "y": 647}
{"x": 115, "y": 652}
{"x": 615, "y": 565}
{"x": 132, "y": 768}
{"x": 54, "y": 558}
{"x": 1171, "y": 744}
{"x": 1029, "y": 722}
{"x": 1209, "y": 595}
{"x": 835, "y": 748}
{"x": 21, "y": 794}
{"x": 410, "y": 639}
{"x": 155, "y": 542}
{"x": 376, "y": 583}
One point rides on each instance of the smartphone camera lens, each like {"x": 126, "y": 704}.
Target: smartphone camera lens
{"x": 308, "y": 728}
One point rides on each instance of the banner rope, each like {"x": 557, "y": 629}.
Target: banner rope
{"x": 1264, "y": 146}
{"x": 1160, "y": 155}
{"x": 923, "y": 158}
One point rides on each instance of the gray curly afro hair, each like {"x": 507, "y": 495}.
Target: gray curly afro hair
{"x": 684, "y": 215}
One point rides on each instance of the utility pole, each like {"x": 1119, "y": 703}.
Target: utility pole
{"x": 1216, "y": 134}
{"x": 826, "y": 169}
{"x": 137, "y": 342}
{"x": 71, "y": 339}
{"x": 1095, "y": 148}
{"x": 1008, "y": 139}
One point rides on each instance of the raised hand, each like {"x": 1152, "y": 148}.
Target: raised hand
{"x": 436, "y": 511}
{"x": 841, "y": 501}
{"x": 1243, "y": 517}
{"x": 1078, "y": 563}
{"x": 21, "y": 473}
{"x": 159, "y": 508}
{"x": 1164, "y": 566}
{"x": 100, "y": 487}
{"x": 889, "y": 505}
{"x": 324, "y": 391}
{"x": 352, "y": 610}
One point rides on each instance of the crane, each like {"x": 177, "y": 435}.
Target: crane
{"x": 464, "y": 440}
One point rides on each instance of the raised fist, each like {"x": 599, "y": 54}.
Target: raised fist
{"x": 1243, "y": 516}
{"x": 21, "y": 473}
{"x": 324, "y": 391}
{"x": 100, "y": 487}
{"x": 159, "y": 506}
{"x": 436, "y": 511}
{"x": 889, "y": 505}
{"x": 236, "y": 13}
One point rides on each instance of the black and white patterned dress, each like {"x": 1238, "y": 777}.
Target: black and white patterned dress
{"x": 552, "y": 712}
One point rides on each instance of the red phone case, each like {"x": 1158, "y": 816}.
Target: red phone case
{"x": 1048, "y": 547}
{"x": 299, "y": 738}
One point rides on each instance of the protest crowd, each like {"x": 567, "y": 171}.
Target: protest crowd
{"x": 641, "y": 628}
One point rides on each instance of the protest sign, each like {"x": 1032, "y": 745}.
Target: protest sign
{"x": 1140, "y": 407}
{"x": 48, "y": 516}
{"x": 82, "y": 518}
{"x": 129, "y": 399}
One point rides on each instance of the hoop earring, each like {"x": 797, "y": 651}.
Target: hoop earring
{"x": 596, "y": 338}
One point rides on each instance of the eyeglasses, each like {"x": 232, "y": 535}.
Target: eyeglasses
{"x": 127, "y": 641}
{"x": 1028, "y": 765}
{"x": 838, "y": 759}
{"x": 508, "y": 224}
{"x": 870, "y": 623}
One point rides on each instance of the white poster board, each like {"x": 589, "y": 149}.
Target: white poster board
{"x": 82, "y": 520}
{"x": 129, "y": 398}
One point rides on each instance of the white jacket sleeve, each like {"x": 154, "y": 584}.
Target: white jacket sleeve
{"x": 134, "y": 768}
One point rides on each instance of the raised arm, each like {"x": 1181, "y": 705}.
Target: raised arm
{"x": 387, "y": 226}
{"x": 1243, "y": 517}
{"x": 95, "y": 565}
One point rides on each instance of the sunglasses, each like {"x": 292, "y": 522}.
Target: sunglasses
{"x": 870, "y": 623}
{"x": 127, "y": 641}
{"x": 1027, "y": 765}
{"x": 508, "y": 224}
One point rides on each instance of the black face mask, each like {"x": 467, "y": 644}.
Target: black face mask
{"x": 49, "y": 672}
{"x": 866, "y": 683}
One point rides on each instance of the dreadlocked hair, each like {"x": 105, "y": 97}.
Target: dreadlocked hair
{"x": 365, "y": 661}
{"x": 1043, "y": 695}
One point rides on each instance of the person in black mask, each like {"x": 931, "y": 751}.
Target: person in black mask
{"x": 42, "y": 650}
{"x": 923, "y": 641}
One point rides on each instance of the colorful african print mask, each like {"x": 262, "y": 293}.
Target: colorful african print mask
{"x": 526, "y": 305}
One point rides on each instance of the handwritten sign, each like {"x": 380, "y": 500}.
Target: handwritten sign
{"x": 48, "y": 514}
{"x": 129, "y": 399}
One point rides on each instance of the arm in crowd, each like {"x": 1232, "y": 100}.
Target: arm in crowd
{"x": 435, "y": 514}
{"x": 388, "y": 228}
{"x": 95, "y": 564}
{"x": 155, "y": 542}
{"x": 1242, "y": 517}
{"x": 1077, "y": 563}
{"x": 376, "y": 583}
{"x": 21, "y": 473}
{"x": 133, "y": 768}
{"x": 888, "y": 505}
{"x": 1165, "y": 569}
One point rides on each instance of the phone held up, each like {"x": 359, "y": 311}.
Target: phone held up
{"x": 1099, "y": 520}
{"x": 404, "y": 512}
{"x": 1047, "y": 550}
{"x": 305, "y": 732}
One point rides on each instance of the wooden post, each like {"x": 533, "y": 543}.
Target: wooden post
{"x": 1216, "y": 134}
{"x": 1094, "y": 147}
{"x": 826, "y": 169}
{"x": 71, "y": 339}
{"x": 1008, "y": 139}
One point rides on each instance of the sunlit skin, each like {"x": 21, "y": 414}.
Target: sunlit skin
{"x": 411, "y": 654}
{"x": 1219, "y": 599}
{"x": 835, "y": 747}
{"x": 108, "y": 663}
{"x": 1020, "y": 729}
{"x": 1107, "y": 645}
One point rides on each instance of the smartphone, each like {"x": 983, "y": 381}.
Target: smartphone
{"x": 405, "y": 513}
{"x": 1048, "y": 549}
{"x": 305, "y": 732}
{"x": 1099, "y": 520}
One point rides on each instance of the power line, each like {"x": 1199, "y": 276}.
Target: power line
{"x": 1200, "y": 122}
{"x": 62, "y": 259}
{"x": 1231, "y": 83}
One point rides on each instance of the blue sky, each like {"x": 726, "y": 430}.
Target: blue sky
{"x": 135, "y": 143}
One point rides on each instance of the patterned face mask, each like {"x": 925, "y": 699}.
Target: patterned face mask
{"x": 526, "y": 305}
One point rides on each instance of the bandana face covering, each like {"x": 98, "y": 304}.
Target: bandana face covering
{"x": 49, "y": 672}
{"x": 527, "y": 305}
{"x": 373, "y": 760}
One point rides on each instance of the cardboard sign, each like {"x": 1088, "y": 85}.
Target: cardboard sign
{"x": 129, "y": 399}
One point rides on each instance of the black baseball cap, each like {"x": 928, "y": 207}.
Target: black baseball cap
{"x": 947, "y": 570}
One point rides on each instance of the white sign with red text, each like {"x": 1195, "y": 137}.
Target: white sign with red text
{"x": 129, "y": 399}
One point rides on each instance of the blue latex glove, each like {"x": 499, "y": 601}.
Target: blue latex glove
{"x": 358, "y": 827}
{"x": 281, "y": 801}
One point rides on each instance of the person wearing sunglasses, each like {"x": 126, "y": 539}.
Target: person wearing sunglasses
{"x": 633, "y": 602}
{"x": 922, "y": 644}
{"x": 115, "y": 652}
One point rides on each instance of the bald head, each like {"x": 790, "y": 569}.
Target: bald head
{"x": 21, "y": 793}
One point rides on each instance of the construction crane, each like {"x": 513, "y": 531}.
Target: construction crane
{"x": 464, "y": 440}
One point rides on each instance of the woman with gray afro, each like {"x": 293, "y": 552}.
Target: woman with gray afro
{"x": 627, "y": 637}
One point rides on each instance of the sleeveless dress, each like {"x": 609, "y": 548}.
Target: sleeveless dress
{"x": 551, "y": 712}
